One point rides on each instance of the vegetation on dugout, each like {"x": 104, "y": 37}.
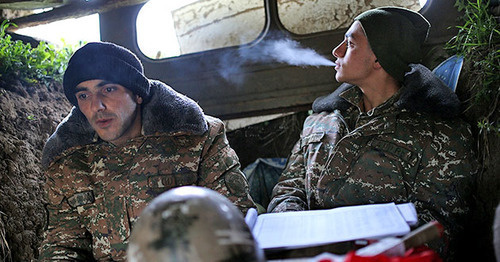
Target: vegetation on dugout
{"x": 31, "y": 64}
{"x": 478, "y": 41}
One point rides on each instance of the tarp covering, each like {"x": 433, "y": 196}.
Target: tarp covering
{"x": 262, "y": 175}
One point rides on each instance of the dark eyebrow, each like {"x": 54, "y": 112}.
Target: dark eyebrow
{"x": 101, "y": 84}
{"x": 80, "y": 88}
{"x": 104, "y": 82}
{"x": 350, "y": 35}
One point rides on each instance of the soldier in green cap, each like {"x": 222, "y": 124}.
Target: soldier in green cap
{"x": 126, "y": 140}
{"x": 390, "y": 133}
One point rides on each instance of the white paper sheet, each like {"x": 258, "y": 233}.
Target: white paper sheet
{"x": 317, "y": 227}
{"x": 409, "y": 213}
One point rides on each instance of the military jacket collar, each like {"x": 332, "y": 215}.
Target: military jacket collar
{"x": 421, "y": 92}
{"x": 354, "y": 96}
{"x": 167, "y": 112}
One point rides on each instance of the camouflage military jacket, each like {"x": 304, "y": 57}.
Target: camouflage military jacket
{"x": 97, "y": 190}
{"x": 409, "y": 149}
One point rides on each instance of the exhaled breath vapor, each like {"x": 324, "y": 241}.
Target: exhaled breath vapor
{"x": 283, "y": 51}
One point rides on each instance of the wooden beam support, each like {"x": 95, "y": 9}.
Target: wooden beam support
{"x": 30, "y": 5}
{"x": 72, "y": 10}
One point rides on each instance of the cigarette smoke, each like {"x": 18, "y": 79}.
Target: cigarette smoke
{"x": 283, "y": 51}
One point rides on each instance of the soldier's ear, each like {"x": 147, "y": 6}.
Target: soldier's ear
{"x": 376, "y": 64}
{"x": 138, "y": 99}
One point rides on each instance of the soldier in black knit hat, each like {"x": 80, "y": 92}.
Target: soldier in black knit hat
{"x": 126, "y": 140}
{"x": 390, "y": 133}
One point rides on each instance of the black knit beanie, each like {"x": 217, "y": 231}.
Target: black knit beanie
{"x": 106, "y": 61}
{"x": 396, "y": 36}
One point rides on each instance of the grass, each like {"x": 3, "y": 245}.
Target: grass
{"x": 478, "y": 41}
{"x": 5, "y": 254}
{"x": 43, "y": 63}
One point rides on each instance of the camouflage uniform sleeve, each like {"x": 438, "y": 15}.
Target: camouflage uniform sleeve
{"x": 289, "y": 194}
{"x": 64, "y": 238}
{"x": 220, "y": 168}
{"x": 444, "y": 182}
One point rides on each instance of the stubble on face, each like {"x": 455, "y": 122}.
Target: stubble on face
{"x": 112, "y": 110}
{"x": 113, "y": 127}
{"x": 354, "y": 57}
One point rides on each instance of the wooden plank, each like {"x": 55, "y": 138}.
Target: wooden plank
{"x": 29, "y": 5}
{"x": 72, "y": 10}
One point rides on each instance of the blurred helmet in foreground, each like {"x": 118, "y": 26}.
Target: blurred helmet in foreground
{"x": 192, "y": 224}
